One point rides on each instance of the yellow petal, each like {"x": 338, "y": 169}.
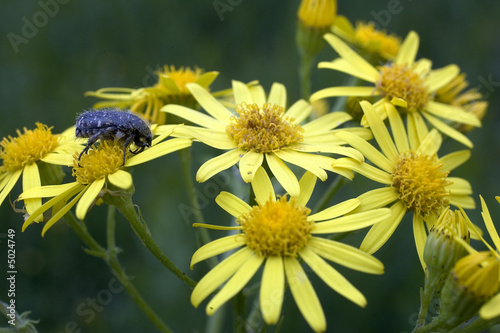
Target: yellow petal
{"x": 60, "y": 213}
{"x": 302, "y": 160}
{"x": 232, "y": 204}
{"x": 463, "y": 201}
{"x": 258, "y": 94}
{"x": 368, "y": 151}
{"x": 408, "y": 49}
{"x": 277, "y": 95}
{"x": 438, "y": 78}
{"x": 207, "y": 78}
{"x": 344, "y": 66}
{"x": 336, "y": 210}
{"x": 352, "y": 222}
{"x": 235, "y": 283}
{"x": 365, "y": 169}
{"x": 381, "y": 232}
{"x": 448, "y": 130}
{"x": 488, "y": 222}
{"x": 331, "y": 277}
{"x": 354, "y": 59}
{"x": 346, "y": 255}
{"x": 453, "y": 113}
{"x": 305, "y": 297}
{"x": 249, "y": 164}
{"x": 218, "y": 164}
{"x": 241, "y": 93}
{"x": 326, "y": 122}
{"x": 89, "y": 198}
{"x": 491, "y": 309}
{"x": 216, "y": 139}
{"x": 307, "y": 183}
{"x": 459, "y": 186}
{"x": 420, "y": 236}
{"x": 283, "y": 174}
{"x": 75, "y": 188}
{"x": 397, "y": 128}
{"x": 417, "y": 129}
{"x": 196, "y": 117}
{"x": 454, "y": 160}
{"x": 380, "y": 131}
{"x": 218, "y": 275}
{"x": 272, "y": 289}
{"x": 343, "y": 91}
{"x": 59, "y": 159}
{"x": 216, "y": 247}
{"x": 8, "y": 183}
{"x": 31, "y": 179}
{"x": 45, "y": 191}
{"x": 262, "y": 187}
{"x": 210, "y": 104}
{"x": 431, "y": 143}
{"x": 121, "y": 179}
{"x": 299, "y": 111}
{"x": 377, "y": 198}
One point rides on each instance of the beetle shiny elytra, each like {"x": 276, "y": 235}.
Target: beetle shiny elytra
{"x": 113, "y": 124}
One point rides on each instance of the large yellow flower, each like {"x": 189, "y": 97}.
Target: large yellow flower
{"x": 414, "y": 177}
{"x": 406, "y": 83}
{"x": 21, "y": 155}
{"x": 262, "y": 129}
{"x": 280, "y": 233}
{"x": 101, "y": 166}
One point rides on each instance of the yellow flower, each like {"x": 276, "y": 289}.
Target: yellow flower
{"x": 147, "y": 101}
{"x": 21, "y": 154}
{"x": 279, "y": 233}
{"x": 406, "y": 83}
{"x": 317, "y": 14}
{"x": 415, "y": 178}
{"x": 262, "y": 129}
{"x": 367, "y": 38}
{"x": 96, "y": 169}
{"x": 491, "y": 308}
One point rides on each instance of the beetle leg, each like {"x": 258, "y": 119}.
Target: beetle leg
{"x": 127, "y": 144}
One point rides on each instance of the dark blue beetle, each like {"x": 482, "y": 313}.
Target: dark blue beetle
{"x": 113, "y": 124}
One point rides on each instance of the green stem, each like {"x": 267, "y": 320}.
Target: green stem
{"x": 329, "y": 193}
{"x": 476, "y": 325}
{"x": 427, "y": 294}
{"x": 110, "y": 256}
{"x": 127, "y": 208}
{"x": 239, "y": 309}
{"x": 305, "y": 69}
{"x": 185, "y": 156}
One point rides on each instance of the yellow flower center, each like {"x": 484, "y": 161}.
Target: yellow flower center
{"x": 28, "y": 148}
{"x": 181, "y": 76}
{"x": 98, "y": 163}
{"x": 399, "y": 81}
{"x": 421, "y": 183}
{"x": 263, "y": 129}
{"x": 278, "y": 228}
{"x": 376, "y": 41}
{"x": 479, "y": 274}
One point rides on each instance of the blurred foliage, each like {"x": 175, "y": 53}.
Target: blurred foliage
{"x": 86, "y": 45}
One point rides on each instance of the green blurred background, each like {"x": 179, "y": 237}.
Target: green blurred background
{"x": 80, "y": 46}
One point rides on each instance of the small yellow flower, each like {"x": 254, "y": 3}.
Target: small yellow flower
{"x": 21, "y": 154}
{"x": 317, "y": 14}
{"x": 93, "y": 172}
{"x": 415, "y": 178}
{"x": 263, "y": 128}
{"x": 408, "y": 84}
{"x": 147, "y": 101}
{"x": 280, "y": 233}
{"x": 368, "y": 39}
